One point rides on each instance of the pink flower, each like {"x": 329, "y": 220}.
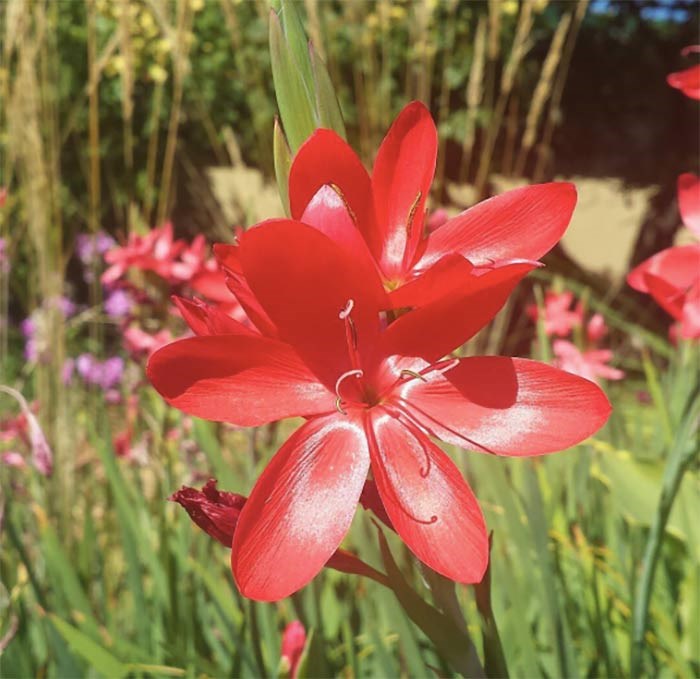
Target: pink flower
{"x": 596, "y": 328}
{"x": 13, "y": 459}
{"x": 156, "y": 251}
{"x": 42, "y": 457}
{"x": 293, "y": 642}
{"x": 191, "y": 260}
{"x": 557, "y": 315}
{"x": 590, "y": 364}
{"x": 140, "y": 343}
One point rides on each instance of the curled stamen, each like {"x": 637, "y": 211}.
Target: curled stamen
{"x": 374, "y": 446}
{"x": 405, "y": 410}
{"x": 347, "y": 309}
{"x": 424, "y": 470}
{"x": 338, "y": 406}
{"x": 357, "y": 373}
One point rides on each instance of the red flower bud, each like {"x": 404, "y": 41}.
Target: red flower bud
{"x": 215, "y": 512}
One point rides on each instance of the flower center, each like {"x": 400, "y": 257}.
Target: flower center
{"x": 354, "y": 389}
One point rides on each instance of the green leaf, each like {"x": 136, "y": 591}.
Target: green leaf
{"x": 294, "y": 100}
{"x": 157, "y": 670}
{"x": 283, "y": 161}
{"x": 327, "y": 107}
{"x": 453, "y": 643}
{"x": 97, "y": 656}
{"x": 297, "y": 42}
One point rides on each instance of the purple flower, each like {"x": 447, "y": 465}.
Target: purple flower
{"x": 65, "y": 305}
{"x": 88, "y": 368}
{"x": 31, "y": 352}
{"x": 28, "y": 327}
{"x": 89, "y": 247}
{"x": 118, "y": 304}
{"x": 106, "y": 375}
{"x": 67, "y": 372}
{"x": 4, "y": 259}
{"x": 112, "y": 370}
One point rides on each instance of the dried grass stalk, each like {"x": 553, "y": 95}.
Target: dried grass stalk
{"x": 543, "y": 90}
{"x": 475, "y": 94}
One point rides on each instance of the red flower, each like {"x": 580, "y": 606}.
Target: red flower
{"x": 373, "y": 394}
{"x": 216, "y": 512}
{"x": 672, "y": 276}
{"x": 387, "y": 212}
{"x": 687, "y": 81}
{"x": 293, "y": 642}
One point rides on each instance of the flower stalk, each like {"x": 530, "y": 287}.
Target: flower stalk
{"x": 684, "y": 452}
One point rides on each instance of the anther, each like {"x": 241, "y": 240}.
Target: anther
{"x": 411, "y": 373}
{"x": 341, "y": 195}
{"x": 347, "y": 309}
{"x": 412, "y": 212}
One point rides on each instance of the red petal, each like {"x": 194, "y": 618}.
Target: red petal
{"x": 440, "y": 280}
{"x": 328, "y": 214}
{"x": 506, "y": 406}
{"x": 678, "y": 266}
{"x": 324, "y": 158}
{"x": 689, "y": 201}
{"x": 214, "y": 511}
{"x": 690, "y": 324}
{"x": 429, "y": 503}
{"x": 687, "y": 81}
{"x": 445, "y": 324}
{"x": 205, "y": 320}
{"x": 244, "y": 380}
{"x": 228, "y": 257}
{"x": 212, "y": 285}
{"x": 303, "y": 281}
{"x": 401, "y": 178}
{"x": 300, "y": 508}
{"x": 668, "y": 296}
{"x": 524, "y": 223}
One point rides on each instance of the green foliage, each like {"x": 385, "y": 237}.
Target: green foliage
{"x": 133, "y": 588}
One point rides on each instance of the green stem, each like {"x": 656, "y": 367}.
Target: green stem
{"x": 679, "y": 462}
